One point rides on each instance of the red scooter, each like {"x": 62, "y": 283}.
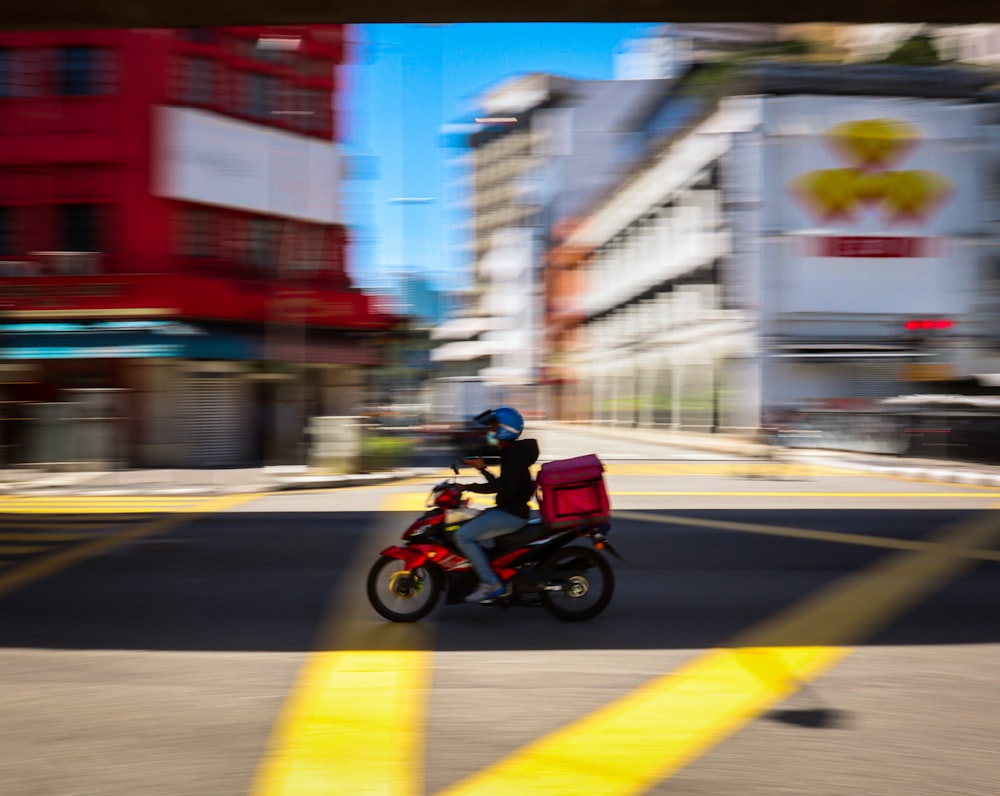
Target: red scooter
{"x": 537, "y": 564}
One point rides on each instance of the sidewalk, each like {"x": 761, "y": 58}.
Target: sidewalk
{"x": 27, "y": 481}
{"x": 948, "y": 471}
{"x": 179, "y": 482}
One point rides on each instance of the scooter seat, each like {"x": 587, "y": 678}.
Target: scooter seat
{"x": 532, "y": 530}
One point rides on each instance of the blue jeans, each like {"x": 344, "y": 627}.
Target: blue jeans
{"x": 489, "y": 524}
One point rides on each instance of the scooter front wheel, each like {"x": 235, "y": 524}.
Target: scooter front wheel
{"x": 400, "y": 594}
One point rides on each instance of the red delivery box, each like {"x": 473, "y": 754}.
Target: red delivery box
{"x": 572, "y": 492}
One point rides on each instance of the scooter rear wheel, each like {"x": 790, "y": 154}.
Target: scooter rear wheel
{"x": 400, "y": 594}
{"x": 585, "y": 583}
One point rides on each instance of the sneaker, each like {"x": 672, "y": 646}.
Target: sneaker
{"x": 485, "y": 591}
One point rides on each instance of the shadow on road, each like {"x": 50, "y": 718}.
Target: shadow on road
{"x": 256, "y": 581}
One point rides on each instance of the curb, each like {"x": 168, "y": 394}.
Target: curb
{"x": 302, "y": 482}
{"x": 966, "y": 477}
{"x": 335, "y": 481}
{"x": 744, "y": 447}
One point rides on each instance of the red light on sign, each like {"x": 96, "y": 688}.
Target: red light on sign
{"x": 940, "y": 323}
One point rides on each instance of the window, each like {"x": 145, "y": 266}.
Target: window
{"x": 262, "y": 244}
{"x": 79, "y": 228}
{"x": 198, "y": 35}
{"x": 21, "y": 71}
{"x": 8, "y": 233}
{"x": 318, "y": 105}
{"x": 7, "y": 72}
{"x": 198, "y": 236}
{"x": 260, "y": 96}
{"x": 992, "y": 203}
{"x": 303, "y": 249}
{"x": 198, "y": 81}
{"x": 227, "y": 84}
{"x": 81, "y": 71}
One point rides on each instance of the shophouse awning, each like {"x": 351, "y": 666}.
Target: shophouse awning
{"x": 188, "y": 297}
{"x": 120, "y": 340}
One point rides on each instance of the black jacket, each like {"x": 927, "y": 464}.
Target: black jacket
{"x": 514, "y": 486}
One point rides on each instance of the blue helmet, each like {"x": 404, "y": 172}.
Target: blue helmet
{"x": 508, "y": 421}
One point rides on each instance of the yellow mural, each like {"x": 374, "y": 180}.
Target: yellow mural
{"x": 870, "y": 147}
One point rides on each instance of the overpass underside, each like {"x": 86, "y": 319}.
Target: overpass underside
{"x": 63, "y": 14}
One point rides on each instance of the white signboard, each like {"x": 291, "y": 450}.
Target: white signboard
{"x": 208, "y": 158}
{"x": 871, "y": 165}
{"x": 870, "y": 202}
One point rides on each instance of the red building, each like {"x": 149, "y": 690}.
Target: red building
{"x": 172, "y": 250}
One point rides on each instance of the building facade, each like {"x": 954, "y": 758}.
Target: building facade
{"x": 172, "y": 249}
{"x": 811, "y": 236}
{"x": 545, "y": 146}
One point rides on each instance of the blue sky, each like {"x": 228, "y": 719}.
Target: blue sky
{"x": 405, "y": 82}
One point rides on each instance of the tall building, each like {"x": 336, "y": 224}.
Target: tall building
{"x": 544, "y": 148}
{"x": 172, "y": 247}
{"x": 813, "y": 237}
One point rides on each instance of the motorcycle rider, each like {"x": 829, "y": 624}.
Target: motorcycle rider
{"x": 514, "y": 487}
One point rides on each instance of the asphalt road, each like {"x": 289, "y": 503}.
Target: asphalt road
{"x": 775, "y": 631}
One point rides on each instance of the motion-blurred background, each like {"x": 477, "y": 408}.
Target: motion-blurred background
{"x": 220, "y": 247}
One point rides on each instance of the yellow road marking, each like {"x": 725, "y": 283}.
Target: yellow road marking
{"x": 757, "y": 468}
{"x": 818, "y": 493}
{"x": 725, "y": 468}
{"x": 65, "y": 557}
{"x": 98, "y": 505}
{"x": 356, "y": 722}
{"x": 626, "y": 747}
{"x": 414, "y": 501}
{"x": 840, "y": 537}
{"x": 355, "y": 727}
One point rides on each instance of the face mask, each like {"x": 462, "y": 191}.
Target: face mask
{"x": 491, "y": 438}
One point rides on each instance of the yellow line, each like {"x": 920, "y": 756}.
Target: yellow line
{"x": 138, "y": 312}
{"x": 885, "y": 542}
{"x": 59, "y": 499}
{"x": 96, "y": 505}
{"x": 414, "y": 501}
{"x": 626, "y": 747}
{"x": 772, "y": 493}
{"x": 355, "y": 724}
{"x": 65, "y": 557}
{"x": 355, "y": 727}
{"x": 726, "y": 468}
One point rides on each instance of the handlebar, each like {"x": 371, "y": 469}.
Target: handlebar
{"x": 488, "y": 461}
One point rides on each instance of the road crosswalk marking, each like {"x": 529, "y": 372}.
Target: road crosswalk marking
{"x": 128, "y": 519}
{"x": 59, "y": 505}
{"x": 415, "y": 501}
{"x": 354, "y": 722}
{"x": 626, "y": 747}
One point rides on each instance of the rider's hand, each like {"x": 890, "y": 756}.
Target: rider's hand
{"x": 476, "y": 463}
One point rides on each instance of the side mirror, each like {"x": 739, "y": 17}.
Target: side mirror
{"x": 454, "y": 467}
